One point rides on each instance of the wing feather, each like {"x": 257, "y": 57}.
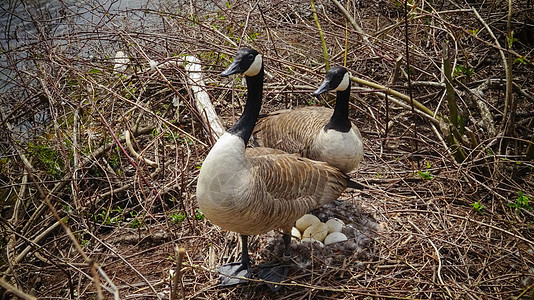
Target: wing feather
{"x": 293, "y": 130}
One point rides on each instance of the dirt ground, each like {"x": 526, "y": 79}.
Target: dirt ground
{"x": 441, "y": 215}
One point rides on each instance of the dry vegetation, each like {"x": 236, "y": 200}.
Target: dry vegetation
{"x": 84, "y": 217}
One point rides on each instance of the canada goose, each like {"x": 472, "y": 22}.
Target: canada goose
{"x": 318, "y": 133}
{"x": 255, "y": 190}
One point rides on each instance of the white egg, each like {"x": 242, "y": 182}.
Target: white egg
{"x": 295, "y": 233}
{"x": 335, "y": 225}
{"x": 317, "y": 231}
{"x": 306, "y": 221}
{"x": 335, "y": 237}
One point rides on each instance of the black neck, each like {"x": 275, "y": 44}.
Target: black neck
{"x": 244, "y": 126}
{"x": 340, "y": 118}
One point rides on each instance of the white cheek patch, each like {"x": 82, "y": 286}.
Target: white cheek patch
{"x": 344, "y": 84}
{"x": 255, "y": 67}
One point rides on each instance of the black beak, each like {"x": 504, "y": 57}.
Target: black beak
{"x": 232, "y": 69}
{"x": 325, "y": 87}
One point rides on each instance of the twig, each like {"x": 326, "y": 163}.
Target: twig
{"x": 96, "y": 280}
{"x": 392, "y": 92}
{"x": 452, "y": 134}
{"x": 438, "y": 257}
{"x": 351, "y": 20}
{"x": 323, "y": 41}
{"x": 148, "y": 111}
{"x": 531, "y": 242}
{"x": 11, "y": 240}
{"x": 13, "y": 290}
{"x": 397, "y": 70}
{"x": 485, "y": 113}
{"x": 409, "y": 77}
{"x": 509, "y": 103}
{"x": 503, "y": 57}
{"x": 346, "y": 45}
{"x": 407, "y": 107}
{"x": 134, "y": 153}
{"x": 529, "y": 154}
{"x": 179, "y": 252}
{"x": 269, "y": 33}
{"x": 68, "y": 231}
{"x": 112, "y": 286}
{"x": 84, "y": 162}
{"x": 35, "y": 241}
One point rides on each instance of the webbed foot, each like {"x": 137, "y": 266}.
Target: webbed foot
{"x": 273, "y": 273}
{"x": 234, "y": 273}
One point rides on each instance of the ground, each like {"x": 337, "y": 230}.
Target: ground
{"x": 441, "y": 215}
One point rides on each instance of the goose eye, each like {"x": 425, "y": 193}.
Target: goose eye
{"x": 251, "y": 56}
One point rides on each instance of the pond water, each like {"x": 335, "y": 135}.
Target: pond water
{"x": 77, "y": 29}
{"x": 66, "y": 23}
{"x": 27, "y": 23}
{"x": 31, "y": 21}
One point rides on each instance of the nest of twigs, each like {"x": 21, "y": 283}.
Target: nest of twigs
{"x": 101, "y": 143}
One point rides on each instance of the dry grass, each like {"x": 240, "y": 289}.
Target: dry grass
{"x": 63, "y": 153}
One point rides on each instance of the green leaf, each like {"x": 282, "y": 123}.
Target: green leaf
{"x": 477, "y": 206}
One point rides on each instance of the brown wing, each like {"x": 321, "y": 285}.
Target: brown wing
{"x": 292, "y": 178}
{"x": 292, "y": 131}
{"x": 284, "y": 187}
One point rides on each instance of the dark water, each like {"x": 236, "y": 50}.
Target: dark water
{"x": 33, "y": 32}
{"x": 71, "y": 25}
{"x": 25, "y": 23}
{"x": 78, "y": 29}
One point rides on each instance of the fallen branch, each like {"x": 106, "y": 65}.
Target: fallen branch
{"x": 438, "y": 257}
{"x": 485, "y": 113}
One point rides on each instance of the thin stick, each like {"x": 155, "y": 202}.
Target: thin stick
{"x": 179, "y": 252}
{"x": 134, "y": 153}
{"x": 530, "y": 149}
{"x": 438, "y": 257}
{"x": 355, "y": 25}
{"x": 503, "y": 57}
{"x": 409, "y": 77}
{"x": 531, "y": 242}
{"x": 509, "y": 103}
{"x": 453, "y": 109}
{"x": 407, "y": 99}
{"x": 346, "y": 39}
{"x": 323, "y": 41}
{"x": 126, "y": 262}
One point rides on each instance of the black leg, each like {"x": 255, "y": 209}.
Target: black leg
{"x": 245, "y": 259}
{"x": 287, "y": 250}
{"x": 234, "y": 273}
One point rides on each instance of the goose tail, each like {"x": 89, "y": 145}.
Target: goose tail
{"x": 355, "y": 185}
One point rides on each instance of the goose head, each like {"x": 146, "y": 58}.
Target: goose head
{"x": 247, "y": 62}
{"x": 337, "y": 79}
